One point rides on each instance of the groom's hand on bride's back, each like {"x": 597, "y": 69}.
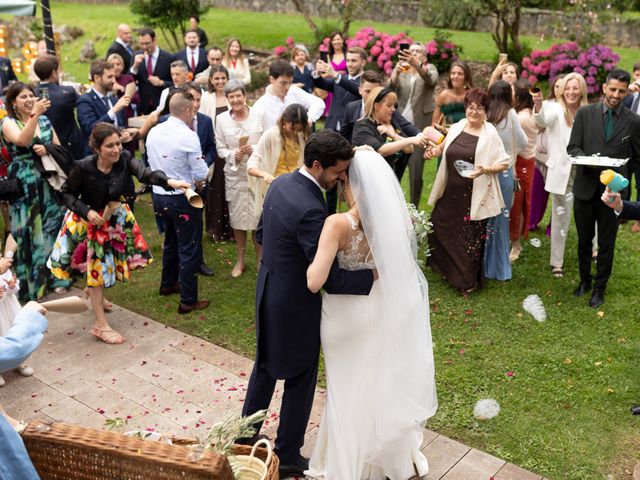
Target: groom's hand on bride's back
{"x": 374, "y": 271}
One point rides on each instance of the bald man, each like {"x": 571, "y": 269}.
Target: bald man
{"x": 122, "y": 45}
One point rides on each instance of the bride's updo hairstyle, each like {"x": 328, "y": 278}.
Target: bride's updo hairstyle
{"x": 327, "y": 147}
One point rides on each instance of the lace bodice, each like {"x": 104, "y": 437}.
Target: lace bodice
{"x": 357, "y": 254}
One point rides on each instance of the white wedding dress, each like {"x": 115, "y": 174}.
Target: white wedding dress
{"x": 378, "y": 355}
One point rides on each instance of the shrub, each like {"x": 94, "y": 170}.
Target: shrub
{"x": 442, "y": 52}
{"x": 593, "y": 63}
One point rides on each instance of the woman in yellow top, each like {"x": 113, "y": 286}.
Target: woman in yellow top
{"x": 280, "y": 150}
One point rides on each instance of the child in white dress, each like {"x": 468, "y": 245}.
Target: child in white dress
{"x": 9, "y": 308}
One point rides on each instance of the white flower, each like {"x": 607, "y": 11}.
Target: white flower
{"x": 533, "y": 305}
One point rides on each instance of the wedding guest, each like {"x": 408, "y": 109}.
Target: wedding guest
{"x": 62, "y": 113}
{"x": 302, "y": 68}
{"x": 465, "y": 194}
{"x": 632, "y": 101}
{"x": 379, "y": 130}
{"x": 151, "y": 67}
{"x": 7, "y": 75}
{"x": 237, "y": 132}
{"x": 338, "y": 61}
{"x": 123, "y": 82}
{"x": 105, "y": 247}
{"x": 414, "y": 79}
{"x": 279, "y": 151}
{"x": 506, "y": 71}
{"x": 524, "y": 169}
{"x": 23, "y": 338}
{"x": 179, "y": 76}
{"x": 122, "y": 46}
{"x": 557, "y": 118}
{"x": 174, "y": 148}
{"x": 35, "y": 216}
{"x": 539, "y": 196}
{"x": 194, "y": 56}
{"x": 194, "y": 23}
{"x": 9, "y": 308}
{"x": 214, "y": 58}
{"x": 502, "y": 115}
{"x": 236, "y": 61}
{"x": 214, "y": 101}
{"x": 281, "y": 93}
{"x": 618, "y": 136}
{"x": 450, "y": 106}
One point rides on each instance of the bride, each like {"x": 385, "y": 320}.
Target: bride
{"x": 377, "y": 348}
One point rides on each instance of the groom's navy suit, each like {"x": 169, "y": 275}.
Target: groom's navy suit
{"x": 287, "y": 313}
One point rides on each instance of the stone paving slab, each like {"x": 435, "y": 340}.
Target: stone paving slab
{"x": 167, "y": 381}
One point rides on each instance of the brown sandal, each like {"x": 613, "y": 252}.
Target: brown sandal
{"x": 107, "y": 335}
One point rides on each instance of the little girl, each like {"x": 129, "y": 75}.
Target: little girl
{"x": 9, "y": 307}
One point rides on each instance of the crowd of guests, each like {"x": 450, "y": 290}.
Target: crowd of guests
{"x": 504, "y": 150}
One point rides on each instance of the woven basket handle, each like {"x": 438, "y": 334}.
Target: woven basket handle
{"x": 267, "y": 445}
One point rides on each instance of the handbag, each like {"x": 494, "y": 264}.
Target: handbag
{"x": 10, "y": 189}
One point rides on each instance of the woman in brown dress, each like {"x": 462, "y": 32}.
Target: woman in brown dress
{"x": 465, "y": 194}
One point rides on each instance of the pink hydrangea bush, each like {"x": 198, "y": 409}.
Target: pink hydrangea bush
{"x": 593, "y": 63}
{"x": 442, "y": 52}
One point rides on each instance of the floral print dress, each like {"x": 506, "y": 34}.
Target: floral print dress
{"x": 35, "y": 218}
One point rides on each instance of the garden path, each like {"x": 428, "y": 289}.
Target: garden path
{"x": 165, "y": 380}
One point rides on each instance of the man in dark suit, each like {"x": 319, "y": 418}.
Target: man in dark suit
{"x": 194, "y": 56}
{"x": 344, "y": 87}
{"x": 63, "y": 105}
{"x": 609, "y": 129}
{"x": 151, "y": 67}
{"x": 7, "y": 75}
{"x": 355, "y": 110}
{"x": 194, "y": 22}
{"x": 633, "y": 167}
{"x": 98, "y": 105}
{"x": 287, "y": 313}
{"x": 623, "y": 208}
{"x": 122, "y": 45}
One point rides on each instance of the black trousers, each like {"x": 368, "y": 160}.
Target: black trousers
{"x": 294, "y": 411}
{"x": 587, "y": 214}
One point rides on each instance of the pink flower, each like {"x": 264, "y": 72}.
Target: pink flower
{"x": 444, "y": 55}
{"x": 290, "y": 41}
{"x": 375, "y": 51}
{"x": 510, "y": 373}
{"x": 278, "y": 51}
{"x": 533, "y": 79}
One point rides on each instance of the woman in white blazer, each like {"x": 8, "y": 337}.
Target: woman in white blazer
{"x": 557, "y": 118}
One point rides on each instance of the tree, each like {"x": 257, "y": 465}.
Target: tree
{"x": 506, "y": 32}
{"x": 170, "y": 16}
{"x": 346, "y": 9}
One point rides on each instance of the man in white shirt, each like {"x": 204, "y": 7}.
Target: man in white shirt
{"x": 174, "y": 148}
{"x": 179, "y": 76}
{"x": 281, "y": 93}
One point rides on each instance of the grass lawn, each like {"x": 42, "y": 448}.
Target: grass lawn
{"x": 565, "y": 409}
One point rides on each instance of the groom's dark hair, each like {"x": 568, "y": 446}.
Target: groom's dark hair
{"x": 327, "y": 147}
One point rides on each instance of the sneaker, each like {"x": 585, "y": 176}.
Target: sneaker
{"x": 25, "y": 370}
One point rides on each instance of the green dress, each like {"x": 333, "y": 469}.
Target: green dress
{"x": 453, "y": 112}
{"x": 35, "y": 219}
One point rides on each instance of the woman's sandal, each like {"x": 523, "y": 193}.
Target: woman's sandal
{"x": 107, "y": 335}
{"x": 106, "y": 304}
{"x": 557, "y": 272}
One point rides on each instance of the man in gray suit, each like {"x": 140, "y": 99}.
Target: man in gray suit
{"x": 414, "y": 80}
{"x": 606, "y": 128}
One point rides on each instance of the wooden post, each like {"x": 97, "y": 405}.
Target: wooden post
{"x": 48, "y": 26}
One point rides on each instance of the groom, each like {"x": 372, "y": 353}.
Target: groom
{"x": 287, "y": 313}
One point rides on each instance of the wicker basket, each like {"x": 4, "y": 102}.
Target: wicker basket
{"x": 67, "y": 452}
{"x": 250, "y": 467}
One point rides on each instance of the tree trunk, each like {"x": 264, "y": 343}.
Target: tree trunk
{"x": 299, "y": 4}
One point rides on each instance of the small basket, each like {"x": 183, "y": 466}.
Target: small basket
{"x": 250, "y": 467}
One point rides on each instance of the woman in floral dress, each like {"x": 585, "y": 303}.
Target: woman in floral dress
{"x": 106, "y": 246}
{"x": 35, "y": 216}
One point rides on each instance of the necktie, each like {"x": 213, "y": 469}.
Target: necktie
{"x": 609, "y": 124}
{"x": 106, "y": 102}
{"x": 129, "y": 50}
{"x": 149, "y": 66}
{"x": 193, "y": 61}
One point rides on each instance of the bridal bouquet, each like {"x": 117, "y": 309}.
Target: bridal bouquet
{"x": 421, "y": 228}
